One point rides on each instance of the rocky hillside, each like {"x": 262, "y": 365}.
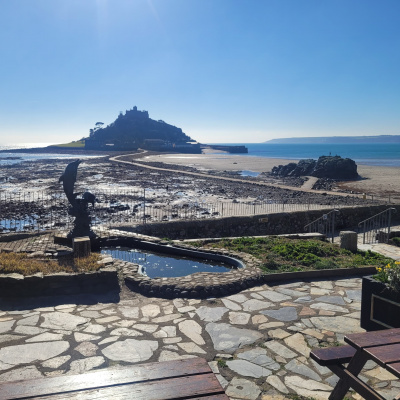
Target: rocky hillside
{"x": 332, "y": 167}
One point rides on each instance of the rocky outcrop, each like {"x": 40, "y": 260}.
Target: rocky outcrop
{"x": 325, "y": 167}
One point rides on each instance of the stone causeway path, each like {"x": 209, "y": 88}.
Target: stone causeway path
{"x": 257, "y": 342}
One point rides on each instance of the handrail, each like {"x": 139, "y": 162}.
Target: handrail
{"x": 377, "y": 224}
{"x": 376, "y": 215}
{"x": 328, "y": 222}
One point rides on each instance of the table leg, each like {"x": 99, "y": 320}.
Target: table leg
{"x": 355, "y": 366}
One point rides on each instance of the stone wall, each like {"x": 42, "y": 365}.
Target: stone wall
{"x": 273, "y": 224}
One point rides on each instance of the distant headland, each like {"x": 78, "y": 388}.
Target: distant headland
{"x": 338, "y": 140}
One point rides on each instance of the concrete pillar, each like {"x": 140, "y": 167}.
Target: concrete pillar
{"x": 348, "y": 240}
{"x": 81, "y": 246}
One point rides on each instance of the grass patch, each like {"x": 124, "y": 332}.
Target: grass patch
{"x": 79, "y": 144}
{"x": 279, "y": 254}
{"x": 20, "y": 263}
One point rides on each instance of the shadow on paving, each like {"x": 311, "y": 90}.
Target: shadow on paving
{"x": 30, "y": 303}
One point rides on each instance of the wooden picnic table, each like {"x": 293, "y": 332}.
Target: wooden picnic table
{"x": 183, "y": 379}
{"x": 383, "y": 347}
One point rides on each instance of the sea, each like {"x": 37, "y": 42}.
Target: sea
{"x": 381, "y": 154}
{"x": 16, "y": 158}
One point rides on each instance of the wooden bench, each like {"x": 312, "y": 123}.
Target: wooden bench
{"x": 333, "y": 355}
{"x": 183, "y": 379}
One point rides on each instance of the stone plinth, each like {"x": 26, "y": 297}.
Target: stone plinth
{"x": 81, "y": 246}
{"x": 348, "y": 240}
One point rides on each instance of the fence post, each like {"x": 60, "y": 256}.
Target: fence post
{"x": 144, "y": 205}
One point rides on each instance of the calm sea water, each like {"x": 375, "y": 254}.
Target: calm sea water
{"x": 4, "y": 160}
{"x": 371, "y": 154}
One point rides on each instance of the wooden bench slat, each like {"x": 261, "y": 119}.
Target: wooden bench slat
{"x": 333, "y": 355}
{"x": 394, "y": 368}
{"x": 375, "y": 338}
{"x": 174, "y": 388}
{"x": 103, "y": 378}
{"x": 385, "y": 354}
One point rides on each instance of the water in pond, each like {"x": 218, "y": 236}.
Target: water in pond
{"x": 157, "y": 265}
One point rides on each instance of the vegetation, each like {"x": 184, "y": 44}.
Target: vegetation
{"x": 20, "y": 263}
{"x": 78, "y": 144}
{"x": 278, "y": 254}
{"x": 389, "y": 274}
{"x": 396, "y": 241}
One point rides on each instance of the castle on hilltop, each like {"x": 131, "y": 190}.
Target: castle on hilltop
{"x": 135, "y": 129}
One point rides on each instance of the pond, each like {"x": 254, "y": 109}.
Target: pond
{"x": 159, "y": 265}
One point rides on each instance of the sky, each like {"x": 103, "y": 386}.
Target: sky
{"x": 225, "y": 71}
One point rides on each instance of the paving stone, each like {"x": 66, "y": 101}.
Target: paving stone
{"x": 280, "y": 349}
{"x": 30, "y": 372}
{"x": 270, "y": 325}
{"x": 90, "y": 314}
{"x": 186, "y": 309}
{"x": 328, "y": 307}
{"x": 255, "y": 305}
{"x": 246, "y": 368}
{"x": 107, "y": 320}
{"x": 31, "y": 352}
{"x": 94, "y": 328}
{"x": 314, "y": 333}
{"x": 275, "y": 382}
{"x": 323, "y": 284}
{"x": 9, "y": 338}
{"x": 231, "y": 305}
{"x": 238, "y": 318}
{"x": 298, "y": 343}
{"x": 278, "y": 333}
{"x": 130, "y": 312}
{"x": 290, "y": 292}
{"x": 166, "y": 318}
{"x": 308, "y": 387}
{"x": 6, "y": 326}
{"x": 150, "y": 328}
{"x": 354, "y": 294}
{"x": 299, "y": 368}
{"x": 331, "y": 299}
{"x": 224, "y": 383}
{"x": 339, "y": 324}
{"x": 86, "y": 364}
{"x": 87, "y": 349}
{"x": 125, "y": 332}
{"x": 166, "y": 331}
{"x": 242, "y": 389}
{"x": 151, "y": 310}
{"x": 33, "y": 320}
{"x": 283, "y": 314}
{"x": 191, "y": 348}
{"x": 28, "y": 330}
{"x": 259, "y": 319}
{"x": 56, "y": 362}
{"x": 319, "y": 292}
{"x": 109, "y": 340}
{"x": 306, "y": 311}
{"x": 273, "y": 296}
{"x": 64, "y": 306}
{"x": 238, "y": 298}
{"x": 211, "y": 314}
{"x": 304, "y": 299}
{"x": 167, "y": 355}
{"x": 130, "y": 350}
{"x": 192, "y": 330}
{"x": 381, "y": 374}
{"x": 45, "y": 337}
{"x": 85, "y": 337}
{"x": 172, "y": 340}
{"x": 59, "y": 320}
{"x": 228, "y": 338}
{"x": 260, "y": 357}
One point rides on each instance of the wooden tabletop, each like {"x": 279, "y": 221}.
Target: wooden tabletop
{"x": 180, "y": 379}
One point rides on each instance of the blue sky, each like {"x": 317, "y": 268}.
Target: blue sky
{"x": 222, "y": 70}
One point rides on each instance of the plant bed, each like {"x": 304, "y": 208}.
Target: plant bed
{"x": 380, "y": 305}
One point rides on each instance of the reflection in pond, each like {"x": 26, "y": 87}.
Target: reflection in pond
{"x": 157, "y": 265}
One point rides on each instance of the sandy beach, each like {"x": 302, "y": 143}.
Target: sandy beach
{"x": 376, "y": 180}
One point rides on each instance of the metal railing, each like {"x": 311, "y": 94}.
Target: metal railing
{"x": 324, "y": 225}
{"x": 377, "y": 228}
{"x": 39, "y": 211}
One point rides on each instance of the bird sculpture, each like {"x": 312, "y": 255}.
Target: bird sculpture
{"x": 68, "y": 178}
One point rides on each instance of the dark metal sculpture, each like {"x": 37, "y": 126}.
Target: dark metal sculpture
{"x": 79, "y": 204}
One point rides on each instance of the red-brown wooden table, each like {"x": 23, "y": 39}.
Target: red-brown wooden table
{"x": 383, "y": 347}
{"x": 183, "y": 379}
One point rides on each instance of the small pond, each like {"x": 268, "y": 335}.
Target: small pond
{"x": 159, "y": 265}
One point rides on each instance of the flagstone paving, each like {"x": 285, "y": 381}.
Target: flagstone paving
{"x": 257, "y": 342}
